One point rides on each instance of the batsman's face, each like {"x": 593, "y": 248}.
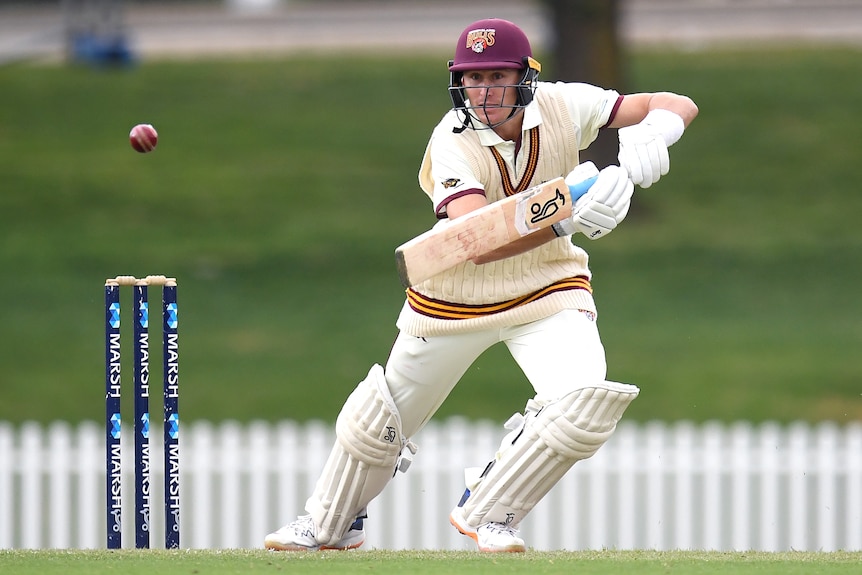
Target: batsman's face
{"x": 492, "y": 93}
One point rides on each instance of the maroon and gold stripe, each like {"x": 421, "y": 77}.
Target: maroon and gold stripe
{"x": 532, "y": 163}
{"x": 446, "y": 310}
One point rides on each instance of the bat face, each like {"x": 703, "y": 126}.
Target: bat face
{"x": 541, "y": 211}
{"x": 542, "y": 206}
{"x": 486, "y": 229}
{"x": 482, "y": 231}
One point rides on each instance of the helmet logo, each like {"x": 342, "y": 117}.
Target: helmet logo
{"x": 479, "y": 40}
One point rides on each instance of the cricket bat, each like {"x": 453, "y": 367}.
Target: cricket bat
{"x": 486, "y": 229}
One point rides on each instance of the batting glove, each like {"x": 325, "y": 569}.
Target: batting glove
{"x": 581, "y": 173}
{"x": 643, "y": 146}
{"x": 599, "y": 211}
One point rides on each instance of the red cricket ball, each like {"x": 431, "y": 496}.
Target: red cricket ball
{"x": 143, "y": 138}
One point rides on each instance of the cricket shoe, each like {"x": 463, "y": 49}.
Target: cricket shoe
{"x": 490, "y": 537}
{"x": 300, "y": 535}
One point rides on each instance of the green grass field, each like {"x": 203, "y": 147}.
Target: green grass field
{"x": 428, "y": 562}
{"x": 281, "y": 187}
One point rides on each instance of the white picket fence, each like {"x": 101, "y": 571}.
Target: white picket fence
{"x": 653, "y": 486}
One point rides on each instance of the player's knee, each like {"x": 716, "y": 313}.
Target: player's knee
{"x": 368, "y": 426}
{"x": 579, "y": 423}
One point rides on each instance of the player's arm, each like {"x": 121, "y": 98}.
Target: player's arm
{"x": 649, "y": 124}
{"x": 635, "y": 107}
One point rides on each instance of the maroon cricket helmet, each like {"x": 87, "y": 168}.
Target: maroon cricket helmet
{"x": 490, "y": 44}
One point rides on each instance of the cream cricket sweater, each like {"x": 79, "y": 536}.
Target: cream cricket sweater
{"x": 519, "y": 289}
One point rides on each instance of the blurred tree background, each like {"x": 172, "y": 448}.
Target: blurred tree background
{"x": 586, "y": 47}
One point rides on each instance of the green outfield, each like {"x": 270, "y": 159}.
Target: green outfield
{"x": 281, "y": 187}
{"x": 429, "y": 562}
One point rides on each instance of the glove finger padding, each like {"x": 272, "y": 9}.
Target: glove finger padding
{"x": 622, "y": 202}
{"x": 629, "y": 160}
{"x": 606, "y": 204}
{"x": 643, "y": 153}
{"x": 623, "y": 210}
{"x": 664, "y": 157}
{"x": 611, "y": 186}
{"x": 659, "y": 161}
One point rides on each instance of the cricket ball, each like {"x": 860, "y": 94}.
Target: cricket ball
{"x": 143, "y": 138}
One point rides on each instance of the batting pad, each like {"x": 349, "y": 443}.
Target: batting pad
{"x": 363, "y": 459}
{"x": 565, "y": 431}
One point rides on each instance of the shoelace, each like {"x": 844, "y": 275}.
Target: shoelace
{"x": 502, "y": 528}
{"x": 303, "y": 524}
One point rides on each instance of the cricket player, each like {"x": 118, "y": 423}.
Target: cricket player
{"x": 506, "y": 132}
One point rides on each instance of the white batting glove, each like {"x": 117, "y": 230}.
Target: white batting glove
{"x": 581, "y": 173}
{"x": 643, "y": 146}
{"x": 599, "y": 211}
{"x": 607, "y": 203}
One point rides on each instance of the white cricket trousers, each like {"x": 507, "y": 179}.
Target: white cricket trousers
{"x": 558, "y": 354}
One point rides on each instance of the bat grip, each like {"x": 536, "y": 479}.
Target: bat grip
{"x": 581, "y": 188}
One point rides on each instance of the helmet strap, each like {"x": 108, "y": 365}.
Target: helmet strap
{"x": 467, "y": 123}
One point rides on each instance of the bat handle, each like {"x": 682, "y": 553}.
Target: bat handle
{"x": 581, "y": 188}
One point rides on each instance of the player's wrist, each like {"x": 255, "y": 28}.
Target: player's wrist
{"x": 564, "y": 228}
